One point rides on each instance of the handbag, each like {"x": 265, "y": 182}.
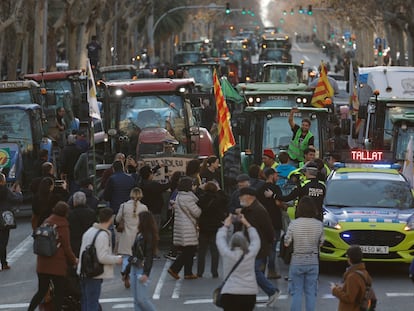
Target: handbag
{"x": 120, "y": 226}
{"x": 285, "y": 251}
{"x": 7, "y": 220}
{"x": 217, "y": 292}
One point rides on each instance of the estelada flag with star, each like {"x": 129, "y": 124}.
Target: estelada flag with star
{"x": 226, "y": 138}
{"x": 323, "y": 89}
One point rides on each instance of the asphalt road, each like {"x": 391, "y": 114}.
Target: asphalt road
{"x": 391, "y": 283}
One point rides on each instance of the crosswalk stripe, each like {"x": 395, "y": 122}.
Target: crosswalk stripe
{"x": 161, "y": 279}
{"x": 19, "y": 250}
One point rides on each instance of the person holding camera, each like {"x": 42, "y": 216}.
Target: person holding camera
{"x": 240, "y": 290}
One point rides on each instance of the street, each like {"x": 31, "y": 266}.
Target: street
{"x": 394, "y": 289}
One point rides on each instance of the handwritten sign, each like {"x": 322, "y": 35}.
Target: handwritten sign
{"x": 169, "y": 165}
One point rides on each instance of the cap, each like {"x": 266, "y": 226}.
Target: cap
{"x": 242, "y": 177}
{"x": 269, "y": 171}
{"x": 247, "y": 191}
{"x": 269, "y": 153}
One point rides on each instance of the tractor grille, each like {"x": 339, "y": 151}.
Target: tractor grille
{"x": 372, "y": 237}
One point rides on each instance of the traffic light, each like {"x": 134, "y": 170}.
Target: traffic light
{"x": 379, "y": 49}
{"x": 243, "y": 11}
{"x": 227, "y": 8}
{"x": 284, "y": 12}
{"x": 300, "y": 10}
{"x": 292, "y": 11}
{"x": 310, "y": 12}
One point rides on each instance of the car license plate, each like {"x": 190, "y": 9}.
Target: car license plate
{"x": 367, "y": 249}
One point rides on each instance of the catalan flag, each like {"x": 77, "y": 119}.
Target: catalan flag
{"x": 91, "y": 96}
{"x": 323, "y": 89}
{"x": 226, "y": 138}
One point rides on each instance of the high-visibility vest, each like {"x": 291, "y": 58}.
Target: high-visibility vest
{"x": 296, "y": 148}
{"x": 274, "y": 165}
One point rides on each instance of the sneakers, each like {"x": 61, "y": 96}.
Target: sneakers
{"x": 173, "y": 274}
{"x": 273, "y": 299}
{"x": 190, "y": 277}
{"x": 273, "y": 275}
{"x": 171, "y": 256}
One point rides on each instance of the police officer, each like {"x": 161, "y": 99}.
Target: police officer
{"x": 311, "y": 186}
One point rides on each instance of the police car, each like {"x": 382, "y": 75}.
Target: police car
{"x": 369, "y": 205}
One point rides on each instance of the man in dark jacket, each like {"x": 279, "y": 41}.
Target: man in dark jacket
{"x": 259, "y": 218}
{"x": 69, "y": 157}
{"x": 7, "y": 198}
{"x": 118, "y": 187}
{"x": 80, "y": 218}
{"x": 274, "y": 209}
{"x": 152, "y": 193}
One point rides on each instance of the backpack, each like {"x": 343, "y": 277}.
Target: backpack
{"x": 46, "y": 240}
{"x": 90, "y": 265}
{"x": 369, "y": 300}
{"x": 7, "y": 220}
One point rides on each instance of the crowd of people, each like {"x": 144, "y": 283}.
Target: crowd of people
{"x": 202, "y": 217}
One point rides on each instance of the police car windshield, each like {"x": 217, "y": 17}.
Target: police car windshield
{"x": 368, "y": 193}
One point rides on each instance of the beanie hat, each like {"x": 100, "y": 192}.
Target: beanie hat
{"x": 269, "y": 153}
{"x": 247, "y": 191}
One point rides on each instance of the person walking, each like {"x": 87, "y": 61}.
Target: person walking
{"x": 118, "y": 187}
{"x": 128, "y": 213}
{"x": 306, "y": 234}
{"x": 152, "y": 192}
{"x": 91, "y": 287}
{"x": 258, "y": 217}
{"x": 240, "y": 290}
{"x": 54, "y": 268}
{"x": 8, "y": 197}
{"x": 351, "y": 292}
{"x": 185, "y": 234}
{"x": 213, "y": 203}
{"x": 274, "y": 208}
{"x": 43, "y": 201}
{"x": 144, "y": 249}
{"x": 80, "y": 218}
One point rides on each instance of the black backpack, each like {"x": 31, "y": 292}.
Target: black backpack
{"x": 90, "y": 265}
{"x": 369, "y": 299}
{"x": 46, "y": 240}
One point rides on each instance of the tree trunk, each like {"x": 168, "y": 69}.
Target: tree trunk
{"x": 38, "y": 36}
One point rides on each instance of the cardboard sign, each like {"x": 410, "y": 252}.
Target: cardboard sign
{"x": 169, "y": 165}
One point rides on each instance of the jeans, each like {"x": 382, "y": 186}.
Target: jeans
{"x": 184, "y": 258}
{"x": 272, "y": 257}
{"x": 207, "y": 240}
{"x": 303, "y": 279}
{"x": 124, "y": 263}
{"x": 43, "y": 286}
{"x": 4, "y": 240}
{"x": 142, "y": 301}
{"x": 262, "y": 281}
{"x": 91, "y": 291}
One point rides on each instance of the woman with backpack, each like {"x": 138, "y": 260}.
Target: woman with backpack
{"x": 54, "y": 268}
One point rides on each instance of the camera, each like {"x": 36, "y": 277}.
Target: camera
{"x": 59, "y": 183}
{"x": 235, "y": 218}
